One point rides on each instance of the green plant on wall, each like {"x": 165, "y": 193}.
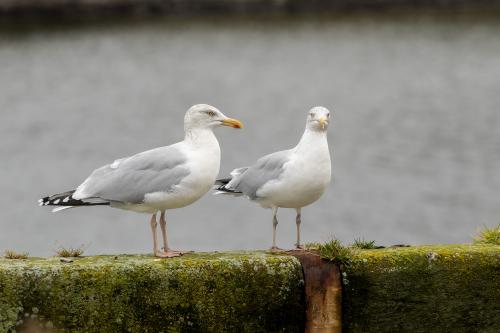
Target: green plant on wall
{"x": 488, "y": 235}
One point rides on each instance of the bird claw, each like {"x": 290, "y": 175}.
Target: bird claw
{"x": 175, "y": 251}
{"x": 275, "y": 249}
{"x": 299, "y": 247}
{"x": 168, "y": 254}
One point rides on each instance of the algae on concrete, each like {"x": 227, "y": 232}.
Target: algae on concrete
{"x": 448, "y": 288}
{"x": 218, "y": 292}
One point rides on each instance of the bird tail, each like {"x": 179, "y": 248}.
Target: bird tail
{"x": 222, "y": 181}
{"x": 221, "y": 187}
{"x": 65, "y": 200}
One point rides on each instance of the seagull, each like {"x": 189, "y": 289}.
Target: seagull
{"x": 159, "y": 179}
{"x": 291, "y": 178}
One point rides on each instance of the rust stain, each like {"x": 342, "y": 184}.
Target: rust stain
{"x": 323, "y": 291}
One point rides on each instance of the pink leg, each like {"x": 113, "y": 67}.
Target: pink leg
{"x": 274, "y": 248}
{"x": 154, "y": 224}
{"x": 298, "y": 220}
{"x": 163, "y": 226}
{"x": 167, "y": 252}
{"x": 156, "y": 252}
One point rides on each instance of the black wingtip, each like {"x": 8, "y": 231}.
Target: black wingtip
{"x": 222, "y": 181}
{"x": 66, "y": 199}
{"x": 223, "y": 188}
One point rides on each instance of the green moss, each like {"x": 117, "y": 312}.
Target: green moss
{"x": 361, "y": 243}
{"x": 449, "y": 288}
{"x": 230, "y": 292}
{"x": 10, "y": 301}
{"x": 333, "y": 250}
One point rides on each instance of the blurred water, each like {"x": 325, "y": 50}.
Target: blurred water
{"x": 415, "y": 137}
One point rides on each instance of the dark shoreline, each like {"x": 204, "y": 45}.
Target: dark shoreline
{"x": 91, "y": 9}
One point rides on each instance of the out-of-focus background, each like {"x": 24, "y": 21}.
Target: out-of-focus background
{"x": 415, "y": 136}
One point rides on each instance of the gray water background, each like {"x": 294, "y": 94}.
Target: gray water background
{"x": 415, "y": 137}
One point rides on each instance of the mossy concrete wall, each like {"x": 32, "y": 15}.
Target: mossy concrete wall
{"x": 423, "y": 289}
{"x": 452, "y": 288}
{"x": 231, "y": 292}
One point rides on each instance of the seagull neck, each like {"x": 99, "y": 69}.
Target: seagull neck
{"x": 312, "y": 138}
{"x": 200, "y": 136}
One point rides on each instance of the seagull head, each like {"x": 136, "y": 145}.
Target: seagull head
{"x": 318, "y": 118}
{"x": 206, "y": 116}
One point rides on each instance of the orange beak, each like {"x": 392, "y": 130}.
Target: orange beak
{"x": 234, "y": 123}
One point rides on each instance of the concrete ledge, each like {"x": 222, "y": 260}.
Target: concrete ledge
{"x": 230, "y": 292}
{"x": 449, "y": 288}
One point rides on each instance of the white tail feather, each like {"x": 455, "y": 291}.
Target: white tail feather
{"x": 238, "y": 171}
{"x": 236, "y": 194}
{"x": 58, "y": 209}
{"x": 220, "y": 192}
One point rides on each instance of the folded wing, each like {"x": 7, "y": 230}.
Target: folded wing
{"x": 130, "y": 179}
{"x": 249, "y": 180}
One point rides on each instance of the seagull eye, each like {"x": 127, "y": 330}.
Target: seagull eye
{"x": 328, "y": 115}
{"x": 210, "y": 113}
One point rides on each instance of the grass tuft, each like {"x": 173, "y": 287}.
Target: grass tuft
{"x": 69, "y": 252}
{"x": 361, "y": 243}
{"x": 488, "y": 235}
{"x": 10, "y": 254}
{"x": 333, "y": 250}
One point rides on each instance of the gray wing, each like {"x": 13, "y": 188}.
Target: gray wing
{"x": 249, "y": 180}
{"x": 129, "y": 179}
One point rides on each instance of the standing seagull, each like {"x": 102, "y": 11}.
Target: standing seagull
{"x": 159, "y": 179}
{"x": 290, "y": 178}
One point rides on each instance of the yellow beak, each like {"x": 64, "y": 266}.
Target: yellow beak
{"x": 234, "y": 123}
{"x": 323, "y": 121}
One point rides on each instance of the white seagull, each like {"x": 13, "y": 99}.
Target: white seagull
{"x": 159, "y": 179}
{"x": 291, "y": 178}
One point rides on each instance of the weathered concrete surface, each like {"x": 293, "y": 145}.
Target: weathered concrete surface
{"x": 230, "y": 292}
{"x": 449, "y": 288}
